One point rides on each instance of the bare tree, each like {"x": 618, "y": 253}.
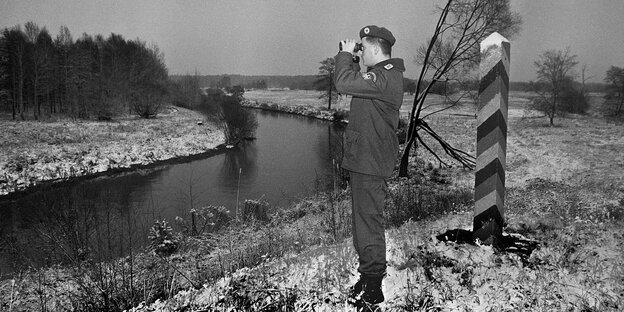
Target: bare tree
{"x": 554, "y": 69}
{"x": 451, "y": 55}
{"x": 148, "y": 79}
{"x": 13, "y": 46}
{"x": 584, "y": 78}
{"x": 64, "y": 72}
{"x": 187, "y": 91}
{"x": 80, "y": 78}
{"x": 45, "y": 58}
{"x": 615, "y": 78}
{"x": 40, "y": 47}
{"x": 325, "y": 80}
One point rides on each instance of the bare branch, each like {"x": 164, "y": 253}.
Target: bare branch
{"x": 452, "y": 53}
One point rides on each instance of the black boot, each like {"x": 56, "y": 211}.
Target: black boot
{"x": 367, "y": 291}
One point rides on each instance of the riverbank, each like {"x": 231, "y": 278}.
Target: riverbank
{"x": 564, "y": 208}
{"x": 301, "y": 110}
{"x": 302, "y": 259}
{"x": 565, "y": 229}
{"x": 35, "y": 152}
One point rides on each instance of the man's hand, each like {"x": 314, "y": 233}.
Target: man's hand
{"x": 348, "y": 45}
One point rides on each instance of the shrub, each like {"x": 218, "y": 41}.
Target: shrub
{"x": 237, "y": 123}
{"x": 210, "y": 104}
{"x": 147, "y": 100}
{"x": 162, "y": 240}
{"x": 541, "y": 104}
{"x": 207, "y": 219}
{"x": 569, "y": 100}
{"x": 255, "y": 209}
{"x": 237, "y": 92}
{"x": 401, "y": 131}
{"x": 443, "y": 88}
{"x": 246, "y": 292}
{"x": 419, "y": 199}
{"x": 572, "y": 101}
{"x": 340, "y": 115}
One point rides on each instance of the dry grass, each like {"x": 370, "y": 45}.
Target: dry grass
{"x": 32, "y": 151}
{"x": 565, "y": 193}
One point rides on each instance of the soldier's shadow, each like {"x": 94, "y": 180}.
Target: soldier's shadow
{"x": 509, "y": 242}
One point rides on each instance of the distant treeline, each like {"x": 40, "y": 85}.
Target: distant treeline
{"x": 301, "y": 82}
{"x": 531, "y": 86}
{"x": 307, "y": 82}
{"x": 101, "y": 77}
{"x": 91, "y": 76}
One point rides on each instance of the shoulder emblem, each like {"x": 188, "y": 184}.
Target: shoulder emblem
{"x": 369, "y": 76}
{"x": 388, "y": 66}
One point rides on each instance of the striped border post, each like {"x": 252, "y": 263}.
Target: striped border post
{"x": 491, "y": 139}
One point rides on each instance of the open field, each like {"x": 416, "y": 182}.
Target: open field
{"x": 577, "y": 147}
{"x": 564, "y": 199}
{"x": 35, "y": 151}
{"x": 565, "y": 192}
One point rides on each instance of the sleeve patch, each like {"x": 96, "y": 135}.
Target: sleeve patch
{"x": 369, "y": 76}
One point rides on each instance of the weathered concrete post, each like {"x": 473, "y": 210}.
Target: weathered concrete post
{"x": 491, "y": 139}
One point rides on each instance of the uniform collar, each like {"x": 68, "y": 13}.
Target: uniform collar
{"x": 396, "y": 63}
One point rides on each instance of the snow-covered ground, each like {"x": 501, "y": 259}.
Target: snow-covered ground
{"x": 32, "y": 152}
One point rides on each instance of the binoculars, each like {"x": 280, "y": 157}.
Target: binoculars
{"x": 358, "y": 47}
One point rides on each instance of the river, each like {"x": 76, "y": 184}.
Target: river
{"x": 110, "y": 215}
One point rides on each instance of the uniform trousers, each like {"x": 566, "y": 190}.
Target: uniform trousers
{"x": 368, "y": 194}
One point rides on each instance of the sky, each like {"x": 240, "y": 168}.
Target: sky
{"x": 291, "y": 37}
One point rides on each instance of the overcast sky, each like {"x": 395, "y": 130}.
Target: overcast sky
{"x": 289, "y": 37}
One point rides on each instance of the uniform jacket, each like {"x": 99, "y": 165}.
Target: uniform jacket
{"x": 370, "y": 142}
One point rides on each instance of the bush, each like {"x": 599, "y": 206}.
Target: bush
{"x": 147, "y": 100}
{"x": 246, "y": 292}
{"x": 255, "y": 209}
{"x": 613, "y": 103}
{"x": 340, "y": 115}
{"x": 210, "y": 105}
{"x": 186, "y": 92}
{"x": 401, "y": 131}
{"x": 206, "y": 219}
{"x": 573, "y": 101}
{"x": 162, "y": 240}
{"x": 237, "y": 123}
{"x": 569, "y": 100}
{"x": 541, "y": 104}
{"x": 237, "y": 92}
{"x": 418, "y": 198}
{"x": 443, "y": 88}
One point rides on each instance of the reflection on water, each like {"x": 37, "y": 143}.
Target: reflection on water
{"x": 108, "y": 217}
{"x": 234, "y": 163}
{"x": 95, "y": 219}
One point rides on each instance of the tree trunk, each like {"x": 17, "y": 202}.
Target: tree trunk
{"x": 404, "y": 163}
{"x": 13, "y": 104}
{"x": 20, "y": 98}
{"x": 20, "y": 88}
{"x": 330, "y": 91}
{"x": 553, "y": 109}
{"x": 35, "y": 99}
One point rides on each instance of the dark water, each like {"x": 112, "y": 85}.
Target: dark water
{"x": 111, "y": 216}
